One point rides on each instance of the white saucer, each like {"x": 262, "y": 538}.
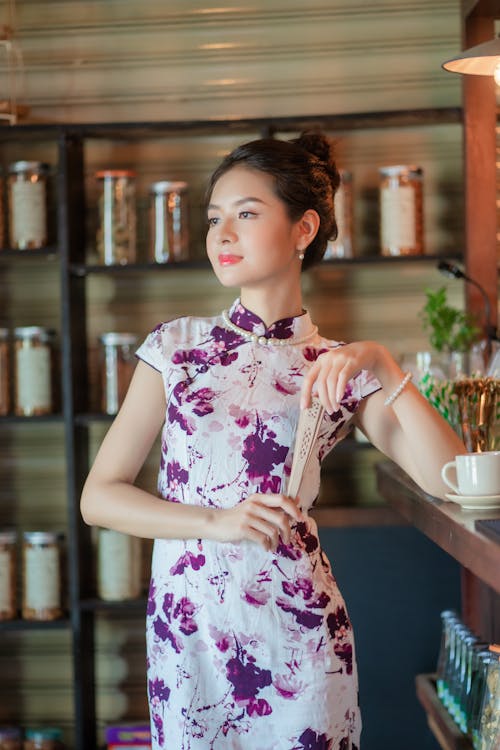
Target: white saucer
{"x": 475, "y": 502}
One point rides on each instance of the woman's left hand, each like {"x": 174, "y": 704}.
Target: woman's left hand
{"x": 329, "y": 375}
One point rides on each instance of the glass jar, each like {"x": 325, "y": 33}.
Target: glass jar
{"x": 44, "y": 738}
{"x": 3, "y": 234}
{"x": 33, "y": 391}
{"x": 42, "y": 571}
{"x": 8, "y": 577}
{"x": 116, "y": 231}
{"x": 118, "y": 365}
{"x": 4, "y": 372}
{"x": 11, "y": 738}
{"x": 342, "y": 246}
{"x": 27, "y": 199}
{"x": 118, "y": 565}
{"x": 401, "y": 210}
{"x": 489, "y": 722}
{"x": 169, "y": 229}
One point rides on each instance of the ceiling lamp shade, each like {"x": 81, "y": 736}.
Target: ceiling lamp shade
{"x": 481, "y": 60}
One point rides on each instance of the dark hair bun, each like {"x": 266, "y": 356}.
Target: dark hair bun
{"x": 319, "y": 145}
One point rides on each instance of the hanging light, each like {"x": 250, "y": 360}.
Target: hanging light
{"x": 481, "y": 60}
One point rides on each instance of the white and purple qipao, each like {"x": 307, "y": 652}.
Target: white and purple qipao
{"x": 247, "y": 649}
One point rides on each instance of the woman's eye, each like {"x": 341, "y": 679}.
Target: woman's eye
{"x": 212, "y": 221}
{"x": 246, "y": 214}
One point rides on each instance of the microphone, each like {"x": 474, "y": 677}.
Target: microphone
{"x": 453, "y": 271}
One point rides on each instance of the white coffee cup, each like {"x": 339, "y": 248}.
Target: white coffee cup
{"x": 476, "y": 473}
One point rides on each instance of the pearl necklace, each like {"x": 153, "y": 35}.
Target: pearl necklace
{"x": 262, "y": 339}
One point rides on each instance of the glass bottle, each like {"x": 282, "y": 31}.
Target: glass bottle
{"x": 479, "y": 669}
{"x": 169, "y": 228}
{"x": 448, "y": 618}
{"x": 118, "y": 365}
{"x": 33, "y": 390}
{"x": 116, "y": 231}
{"x": 27, "y": 199}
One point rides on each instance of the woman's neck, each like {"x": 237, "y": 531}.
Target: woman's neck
{"x": 271, "y": 307}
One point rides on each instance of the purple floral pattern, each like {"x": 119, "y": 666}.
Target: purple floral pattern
{"x": 237, "y": 636}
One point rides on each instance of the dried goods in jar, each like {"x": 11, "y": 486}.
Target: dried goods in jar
{"x": 8, "y": 576}
{"x": 401, "y": 210}
{"x": 42, "y": 574}
{"x": 33, "y": 366}
{"x": 169, "y": 228}
{"x": 119, "y": 565}
{"x": 118, "y": 363}
{"x": 116, "y": 231}
{"x": 5, "y": 372}
{"x": 11, "y": 738}
{"x": 27, "y": 200}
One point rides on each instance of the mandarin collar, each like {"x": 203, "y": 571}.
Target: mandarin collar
{"x": 286, "y": 328}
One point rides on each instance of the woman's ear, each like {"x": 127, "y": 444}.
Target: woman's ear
{"x": 307, "y": 228}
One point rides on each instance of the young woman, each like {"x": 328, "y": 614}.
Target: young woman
{"x": 249, "y": 642}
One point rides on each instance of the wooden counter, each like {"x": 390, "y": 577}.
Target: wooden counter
{"x": 446, "y": 523}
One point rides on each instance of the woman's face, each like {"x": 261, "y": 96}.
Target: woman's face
{"x": 251, "y": 241}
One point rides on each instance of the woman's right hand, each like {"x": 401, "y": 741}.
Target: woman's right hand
{"x": 260, "y": 518}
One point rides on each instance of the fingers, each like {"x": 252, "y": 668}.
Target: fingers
{"x": 267, "y": 518}
{"x": 328, "y": 377}
{"x": 307, "y": 385}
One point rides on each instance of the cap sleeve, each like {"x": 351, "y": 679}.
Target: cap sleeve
{"x": 366, "y": 384}
{"x": 153, "y": 350}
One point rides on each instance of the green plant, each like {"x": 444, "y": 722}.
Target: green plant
{"x": 449, "y": 329}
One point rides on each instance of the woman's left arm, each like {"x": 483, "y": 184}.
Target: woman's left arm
{"x": 409, "y": 431}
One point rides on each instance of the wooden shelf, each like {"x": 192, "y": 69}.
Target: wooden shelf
{"x": 82, "y": 269}
{"x": 440, "y": 722}
{"x": 19, "y": 624}
{"x": 263, "y": 125}
{"x": 42, "y": 419}
{"x": 44, "y": 252}
{"x": 101, "y": 605}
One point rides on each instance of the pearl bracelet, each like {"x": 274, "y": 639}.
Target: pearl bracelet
{"x": 390, "y": 399}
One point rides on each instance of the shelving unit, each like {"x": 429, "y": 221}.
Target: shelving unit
{"x": 69, "y": 258}
{"x": 440, "y": 722}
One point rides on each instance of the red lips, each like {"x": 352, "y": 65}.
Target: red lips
{"x": 228, "y": 259}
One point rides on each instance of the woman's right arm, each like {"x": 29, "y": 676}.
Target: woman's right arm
{"x": 110, "y": 499}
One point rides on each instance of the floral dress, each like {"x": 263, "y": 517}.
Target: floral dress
{"x": 247, "y": 649}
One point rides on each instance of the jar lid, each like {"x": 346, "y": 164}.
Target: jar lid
{"x": 44, "y": 733}
{"x": 166, "y": 186}
{"x": 111, "y": 338}
{"x": 42, "y": 537}
{"x": 30, "y": 332}
{"x": 28, "y": 166}
{"x": 8, "y": 537}
{"x": 103, "y": 174}
{"x": 10, "y": 733}
{"x": 401, "y": 169}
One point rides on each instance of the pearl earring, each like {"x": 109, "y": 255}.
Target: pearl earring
{"x": 301, "y": 256}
